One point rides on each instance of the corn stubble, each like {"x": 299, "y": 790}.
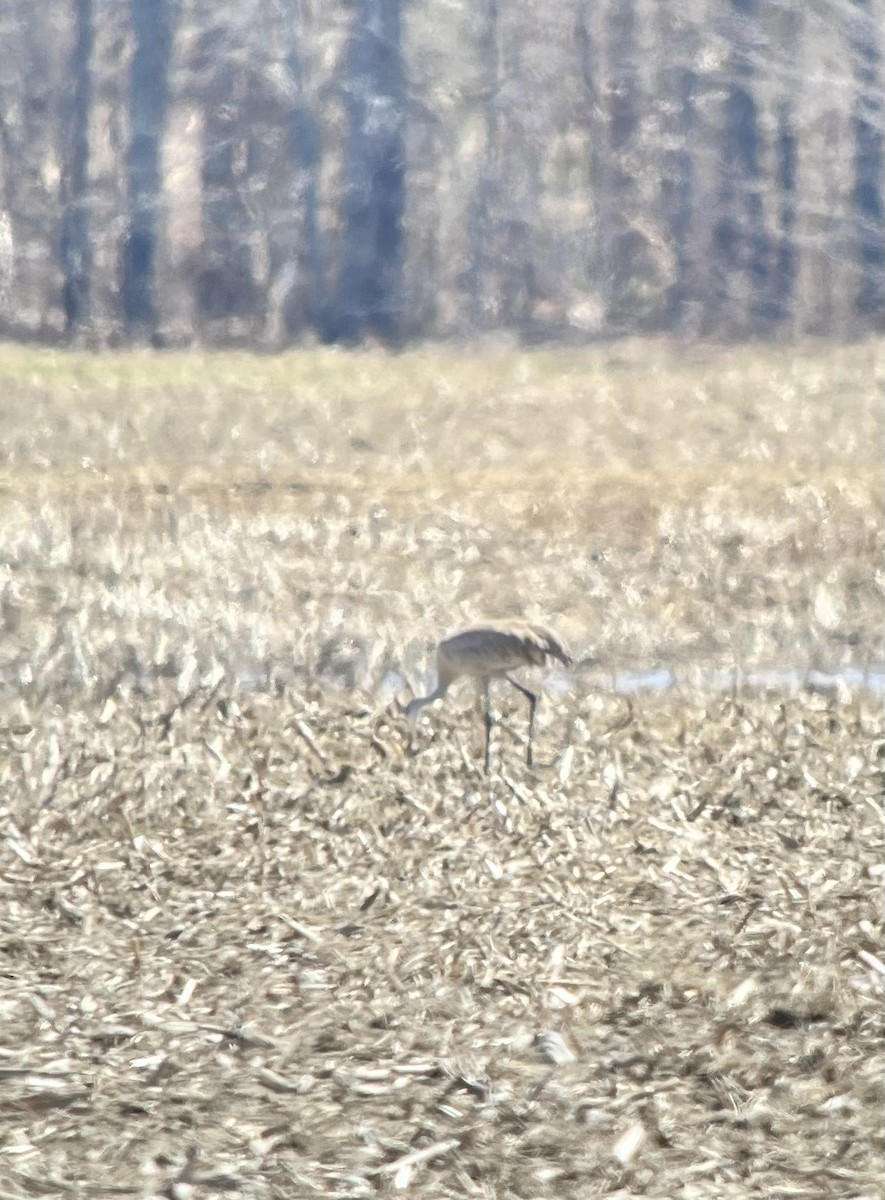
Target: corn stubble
{"x": 252, "y": 942}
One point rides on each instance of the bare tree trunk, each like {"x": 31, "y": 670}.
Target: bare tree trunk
{"x": 677, "y": 85}
{"x": 622, "y": 104}
{"x": 148, "y": 100}
{"x": 482, "y": 202}
{"x": 75, "y": 249}
{"x": 740, "y": 236}
{"x": 588, "y": 41}
{"x": 305, "y": 144}
{"x": 826, "y": 271}
{"x": 783, "y": 281}
{"x": 177, "y": 279}
{"x": 868, "y": 123}
{"x": 228, "y": 294}
{"x": 370, "y": 287}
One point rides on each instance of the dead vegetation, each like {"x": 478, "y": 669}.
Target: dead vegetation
{"x": 250, "y": 945}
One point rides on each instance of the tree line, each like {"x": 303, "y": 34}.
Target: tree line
{"x": 261, "y": 172}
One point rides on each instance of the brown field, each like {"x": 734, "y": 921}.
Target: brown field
{"x": 253, "y": 944}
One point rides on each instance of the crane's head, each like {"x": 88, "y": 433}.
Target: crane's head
{"x": 411, "y": 710}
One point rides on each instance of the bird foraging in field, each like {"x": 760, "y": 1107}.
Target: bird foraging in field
{"x": 489, "y": 651}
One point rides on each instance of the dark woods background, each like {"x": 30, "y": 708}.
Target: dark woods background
{"x": 263, "y": 171}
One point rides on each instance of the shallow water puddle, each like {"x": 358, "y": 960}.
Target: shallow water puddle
{"x": 702, "y": 679}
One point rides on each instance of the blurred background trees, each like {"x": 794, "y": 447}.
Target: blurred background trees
{"x": 263, "y": 171}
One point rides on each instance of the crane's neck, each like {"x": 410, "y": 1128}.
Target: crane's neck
{"x": 415, "y": 706}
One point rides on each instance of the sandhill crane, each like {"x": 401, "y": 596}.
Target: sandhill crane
{"x": 486, "y": 652}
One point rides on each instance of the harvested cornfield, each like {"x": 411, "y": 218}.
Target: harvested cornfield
{"x": 252, "y": 947}
{"x": 254, "y": 941}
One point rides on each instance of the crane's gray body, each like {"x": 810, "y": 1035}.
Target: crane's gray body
{"x": 488, "y": 651}
{"x": 496, "y": 647}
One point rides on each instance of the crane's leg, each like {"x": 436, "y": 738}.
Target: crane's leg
{"x": 489, "y": 722}
{"x": 533, "y": 704}
{"x": 489, "y": 718}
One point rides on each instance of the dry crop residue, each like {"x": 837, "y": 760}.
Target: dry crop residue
{"x": 251, "y": 946}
